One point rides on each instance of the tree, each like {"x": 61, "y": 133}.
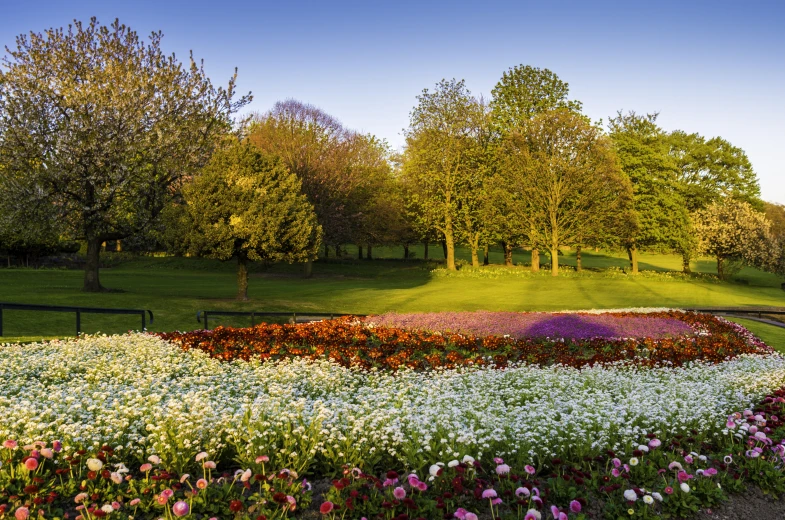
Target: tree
{"x": 103, "y": 126}
{"x": 735, "y": 234}
{"x": 709, "y": 171}
{"x": 327, "y": 158}
{"x": 564, "y": 178}
{"x": 442, "y": 159}
{"x": 662, "y": 218}
{"x": 247, "y": 206}
{"x": 522, "y": 93}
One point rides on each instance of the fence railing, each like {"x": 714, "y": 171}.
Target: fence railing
{"x": 294, "y": 317}
{"x": 731, "y": 310}
{"x": 78, "y": 310}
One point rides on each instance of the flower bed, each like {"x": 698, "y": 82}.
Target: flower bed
{"x": 355, "y": 343}
{"x": 542, "y": 324}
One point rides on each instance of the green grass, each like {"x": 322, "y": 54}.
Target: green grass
{"x": 176, "y": 288}
{"x": 771, "y": 334}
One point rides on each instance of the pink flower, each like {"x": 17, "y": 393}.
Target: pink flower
{"x": 134, "y": 502}
{"x": 22, "y": 513}
{"x": 498, "y": 460}
{"x": 326, "y": 508}
{"x": 144, "y": 468}
{"x": 522, "y": 491}
{"x": 57, "y": 446}
{"x": 201, "y": 456}
{"x": 616, "y": 463}
{"x": 655, "y": 443}
{"x": 48, "y": 453}
{"x": 555, "y": 512}
{"x": 710, "y": 472}
{"x": 502, "y": 469}
{"x": 292, "y": 502}
{"x": 246, "y": 476}
{"x": 562, "y": 516}
{"x": 399, "y": 493}
{"x": 731, "y": 424}
{"x": 688, "y": 459}
{"x": 615, "y": 472}
{"x": 489, "y": 493}
{"x": 575, "y": 506}
{"x": 460, "y": 513}
{"x": 532, "y": 514}
{"x": 201, "y": 483}
{"x": 10, "y": 444}
{"x": 31, "y": 464}
{"x": 422, "y": 486}
{"x": 161, "y": 499}
{"x": 180, "y": 508}
{"x": 390, "y": 482}
{"x": 155, "y": 459}
{"x": 471, "y": 516}
{"x": 496, "y": 501}
{"x": 262, "y": 458}
{"x": 80, "y": 497}
{"x": 529, "y": 469}
{"x": 167, "y": 493}
{"x": 116, "y": 506}
{"x": 209, "y": 464}
{"x": 668, "y": 490}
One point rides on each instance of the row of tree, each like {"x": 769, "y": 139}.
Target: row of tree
{"x": 104, "y": 137}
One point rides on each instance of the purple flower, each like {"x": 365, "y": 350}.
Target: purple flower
{"x": 399, "y": 493}
{"x": 575, "y": 506}
{"x": 489, "y": 493}
{"x": 180, "y": 508}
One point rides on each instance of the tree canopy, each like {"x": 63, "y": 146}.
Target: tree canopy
{"x": 102, "y": 126}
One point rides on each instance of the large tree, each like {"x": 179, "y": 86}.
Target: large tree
{"x": 522, "y": 93}
{"x": 565, "y": 181}
{"x": 102, "y": 126}
{"x": 736, "y": 234}
{"x": 249, "y": 207}
{"x": 443, "y": 159}
{"x": 708, "y": 171}
{"x": 662, "y": 218}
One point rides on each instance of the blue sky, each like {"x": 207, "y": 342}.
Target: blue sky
{"x": 717, "y": 68}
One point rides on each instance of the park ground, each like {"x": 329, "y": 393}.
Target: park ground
{"x": 175, "y": 289}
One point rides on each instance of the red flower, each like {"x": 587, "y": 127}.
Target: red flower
{"x": 326, "y": 507}
{"x": 235, "y": 506}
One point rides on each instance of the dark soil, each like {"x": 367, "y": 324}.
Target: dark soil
{"x": 753, "y": 505}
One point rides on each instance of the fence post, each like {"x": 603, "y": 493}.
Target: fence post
{"x": 1, "y": 320}
{"x": 253, "y": 319}
{"x": 144, "y": 324}
{"x": 78, "y": 322}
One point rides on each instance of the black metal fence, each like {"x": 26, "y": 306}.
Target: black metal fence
{"x": 78, "y": 310}
{"x": 294, "y": 317}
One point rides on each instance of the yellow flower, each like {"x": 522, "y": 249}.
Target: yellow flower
{"x": 631, "y": 511}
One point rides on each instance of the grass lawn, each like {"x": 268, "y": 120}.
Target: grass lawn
{"x": 772, "y": 335}
{"x": 176, "y": 288}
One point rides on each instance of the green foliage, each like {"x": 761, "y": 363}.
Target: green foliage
{"x": 525, "y": 91}
{"x": 101, "y": 126}
{"x": 642, "y": 148}
{"x": 247, "y": 206}
{"x": 735, "y": 234}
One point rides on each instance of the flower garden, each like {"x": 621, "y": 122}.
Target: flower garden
{"x": 451, "y": 415}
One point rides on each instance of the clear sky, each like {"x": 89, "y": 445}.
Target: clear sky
{"x": 717, "y": 68}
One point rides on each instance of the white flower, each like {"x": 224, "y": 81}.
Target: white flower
{"x": 684, "y": 487}
{"x": 533, "y": 512}
{"x": 154, "y": 459}
{"x": 434, "y": 469}
{"x": 116, "y": 477}
{"x": 468, "y": 459}
{"x": 94, "y": 464}
{"x": 643, "y": 448}
{"x": 633, "y": 461}
{"x": 246, "y": 476}
{"x": 630, "y": 495}
{"x": 452, "y": 463}
{"x": 657, "y": 496}
{"x": 648, "y": 500}
{"x": 107, "y": 508}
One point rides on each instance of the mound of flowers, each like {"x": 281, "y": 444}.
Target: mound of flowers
{"x": 543, "y": 324}
{"x": 365, "y": 344}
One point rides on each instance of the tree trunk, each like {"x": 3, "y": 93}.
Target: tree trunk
{"x": 554, "y": 260}
{"x": 369, "y": 252}
{"x": 685, "y": 263}
{"x": 444, "y": 248}
{"x": 633, "y": 252}
{"x": 449, "y": 246}
{"x": 242, "y": 277}
{"x": 475, "y": 256}
{"x": 425, "y": 255}
{"x": 720, "y": 270}
{"x": 308, "y": 269}
{"x": 338, "y": 252}
{"x": 578, "y": 262}
{"x": 359, "y": 252}
{"x": 406, "y": 251}
{"x": 91, "y": 281}
{"x": 119, "y": 246}
{"x": 507, "y": 254}
{"x": 485, "y": 254}
{"x": 326, "y": 251}
{"x": 535, "y": 260}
